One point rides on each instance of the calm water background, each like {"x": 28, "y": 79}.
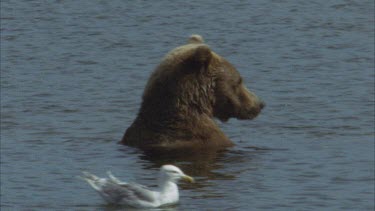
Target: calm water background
{"x": 72, "y": 75}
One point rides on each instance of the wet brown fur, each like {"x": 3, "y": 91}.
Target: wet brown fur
{"x": 190, "y": 87}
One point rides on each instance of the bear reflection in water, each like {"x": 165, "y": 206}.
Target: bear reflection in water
{"x": 191, "y": 86}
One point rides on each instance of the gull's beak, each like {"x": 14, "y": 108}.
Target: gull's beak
{"x": 187, "y": 178}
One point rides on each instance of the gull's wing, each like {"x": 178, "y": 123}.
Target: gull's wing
{"x": 115, "y": 179}
{"x": 131, "y": 194}
{"x": 117, "y": 192}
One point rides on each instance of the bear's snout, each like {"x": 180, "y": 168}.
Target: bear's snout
{"x": 251, "y": 106}
{"x": 258, "y": 108}
{"x": 262, "y": 105}
{"x": 251, "y": 113}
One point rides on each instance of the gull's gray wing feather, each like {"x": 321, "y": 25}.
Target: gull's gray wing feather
{"x": 128, "y": 193}
{"x": 115, "y": 179}
{"x": 117, "y": 192}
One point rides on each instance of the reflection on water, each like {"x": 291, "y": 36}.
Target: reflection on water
{"x": 205, "y": 166}
{"x": 196, "y": 162}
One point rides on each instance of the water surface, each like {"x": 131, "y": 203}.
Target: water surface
{"x": 73, "y": 72}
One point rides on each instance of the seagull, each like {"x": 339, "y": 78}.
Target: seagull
{"x": 135, "y": 195}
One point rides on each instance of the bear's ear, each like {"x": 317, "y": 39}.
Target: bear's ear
{"x": 200, "y": 59}
{"x": 195, "y": 39}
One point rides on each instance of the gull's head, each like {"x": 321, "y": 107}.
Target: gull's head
{"x": 173, "y": 174}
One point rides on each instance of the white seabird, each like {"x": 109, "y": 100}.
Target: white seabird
{"x": 115, "y": 191}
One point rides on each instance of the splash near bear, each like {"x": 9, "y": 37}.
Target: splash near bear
{"x": 189, "y": 88}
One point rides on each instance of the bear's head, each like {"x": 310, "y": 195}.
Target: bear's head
{"x": 192, "y": 80}
{"x": 232, "y": 98}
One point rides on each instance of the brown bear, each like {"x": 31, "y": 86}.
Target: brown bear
{"x": 190, "y": 87}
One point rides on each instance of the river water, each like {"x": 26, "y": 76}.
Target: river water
{"x": 73, "y": 72}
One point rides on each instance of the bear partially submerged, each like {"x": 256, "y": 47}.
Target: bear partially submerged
{"x": 190, "y": 87}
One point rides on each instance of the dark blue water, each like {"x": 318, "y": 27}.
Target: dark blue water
{"x": 72, "y": 75}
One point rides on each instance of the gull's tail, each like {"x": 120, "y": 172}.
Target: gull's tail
{"x": 114, "y": 179}
{"x": 95, "y": 182}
